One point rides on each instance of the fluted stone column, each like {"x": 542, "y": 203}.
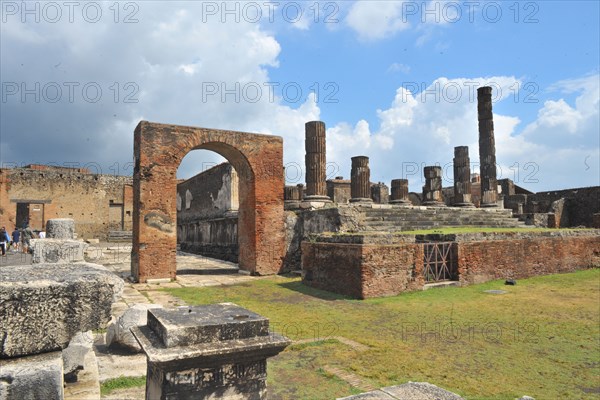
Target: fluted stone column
{"x": 400, "y": 192}
{"x": 360, "y": 180}
{"x": 315, "y": 161}
{"x": 487, "y": 148}
{"x": 462, "y": 177}
{"x": 432, "y": 191}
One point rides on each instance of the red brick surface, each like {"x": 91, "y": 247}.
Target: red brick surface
{"x": 376, "y": 270}
{"x": 258, "y": 160}
{"x": 363, "y": 271}
{"x": 500, "y": 259}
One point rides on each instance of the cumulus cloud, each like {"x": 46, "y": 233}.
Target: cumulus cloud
{"x": 173, "y": 65}
{"x": 373, "y": 20}
{"x": 421, "y": 127}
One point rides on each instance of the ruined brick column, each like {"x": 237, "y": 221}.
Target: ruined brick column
{"x": 487, "y": 148}
{"x": 400, "y": 192}
{"x": 432, "y": 191}
{"x": 360, "y": 180}
{"x": 315, "y": 161}
{"x": 462, "y": 177}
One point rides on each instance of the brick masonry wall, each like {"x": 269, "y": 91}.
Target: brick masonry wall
{"x": 363, "y": 271}
{"x": 501, "y": 259}
{"x": 258, "y": 161}
{"x": 375, "y": 270}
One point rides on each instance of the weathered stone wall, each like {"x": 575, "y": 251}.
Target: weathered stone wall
{"x": 97, "y": 203}
{"x": 210, "y": 194}
{"x": 580, "y": 204}
{"x": 572, "y": 207}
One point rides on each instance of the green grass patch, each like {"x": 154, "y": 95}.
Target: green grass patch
{"x": 542, "y": 338}
{"x": 122, "y": 382}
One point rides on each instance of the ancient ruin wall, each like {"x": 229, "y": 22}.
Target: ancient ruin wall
{"x": 363, "y": 270}
{"x": 210, "y": 194}
{"x": 371, "y": 266}
{"x": 258, "y": 160}
{"x": 483, "y": 261}
{"x": 97, "y": 203}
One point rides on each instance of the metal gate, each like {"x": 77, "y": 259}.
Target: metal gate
{"x": 440, "y": 263}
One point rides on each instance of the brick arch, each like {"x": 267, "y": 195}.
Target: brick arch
{"x": 258, "y": 160}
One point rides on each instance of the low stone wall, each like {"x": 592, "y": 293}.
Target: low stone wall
{"x": 375, "y": 265}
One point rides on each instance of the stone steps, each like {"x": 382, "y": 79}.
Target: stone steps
{"x": 402, "y": 219}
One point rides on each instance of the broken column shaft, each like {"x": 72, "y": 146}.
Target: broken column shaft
{"x": 487, "y": 148}
{"x": 462, "y": 177}
{"x": 315, "y": 161}
{"x": 360, "y": 180}
{"x": 432, "y": 191}
{"x": 400, "y": 192}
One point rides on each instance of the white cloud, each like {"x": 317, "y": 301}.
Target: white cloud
{"x": 399, "y": 67}
{"x": 373, "y": 20}
{"x": 422, "y": 128}
{"x": 185, "y": 71}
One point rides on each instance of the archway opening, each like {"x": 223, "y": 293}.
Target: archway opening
{"x": 258, "y": 161}
{"x": 207, "y": 201}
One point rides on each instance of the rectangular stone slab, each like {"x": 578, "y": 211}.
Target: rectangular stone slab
{"x": 42, "y": 306}
{"x": 186, "y": 326}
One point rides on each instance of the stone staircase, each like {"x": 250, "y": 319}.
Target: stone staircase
{"x": 417, "y": 218}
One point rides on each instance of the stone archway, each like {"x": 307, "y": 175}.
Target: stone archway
{"x": 258, "y": 159}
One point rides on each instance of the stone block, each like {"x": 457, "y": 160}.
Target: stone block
{"x": 217, "y": 351}
{"x": 206, "y": 324}
{"x": 75, "y": 353}
{"x": 31, "y": 378}
{"x": 57, "y": 251}
{"x": 118, "y": 333}
{"x": 43, "y": 306}
{"x": 420, "y": 390}
{"x": 60, "y": 228}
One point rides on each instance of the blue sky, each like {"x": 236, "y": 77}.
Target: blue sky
{"x": 371, "y": 63}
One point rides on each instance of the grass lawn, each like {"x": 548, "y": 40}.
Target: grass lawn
{"x": 541, "y": 339}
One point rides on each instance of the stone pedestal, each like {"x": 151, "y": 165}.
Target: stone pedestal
{"x": 60, "y": 228}
{"x": 216, "y": 351}
{"x": 380, "y": 193}
{"x": 315, "y": 161}
{"x": 487, "y": 148}
{"x": 462, "y": 177}
{"x": 360, "y": 180}
{"x": 57, "y": 251}
{"x": 400, "y": 192}
{"x": 432, "y": 191}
